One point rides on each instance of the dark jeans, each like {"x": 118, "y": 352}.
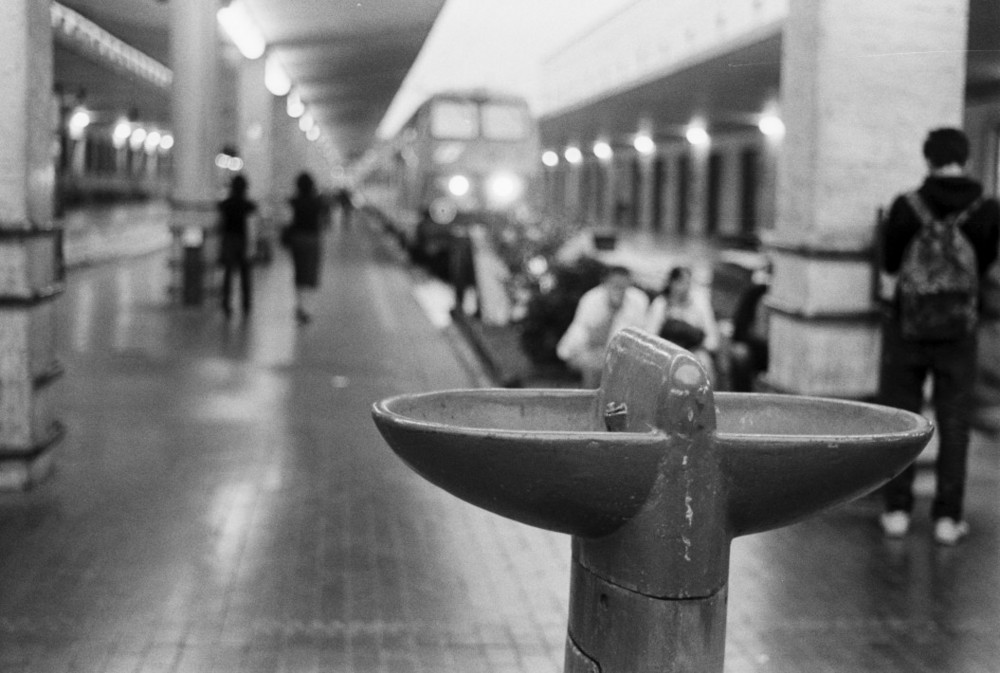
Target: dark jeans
{"x": 952, "y": 367}
{"x": 246, "y": 287}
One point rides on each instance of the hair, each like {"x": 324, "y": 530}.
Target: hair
{"x": 305, "y": 184}
{"x": 946, "y": 146}
{"x": 238, "y": 185}
{"x": 675, "y": 275}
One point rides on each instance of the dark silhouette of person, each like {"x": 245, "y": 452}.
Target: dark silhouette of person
{"x": 235, "y": 241}
{"x": 308, "y": 209}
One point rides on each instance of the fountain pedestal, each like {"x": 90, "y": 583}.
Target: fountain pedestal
{"x": 653, "y": 475}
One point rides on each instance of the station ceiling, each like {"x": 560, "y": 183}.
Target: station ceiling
{"x": 347, "y": 57}
{"x": 732, "y": 89}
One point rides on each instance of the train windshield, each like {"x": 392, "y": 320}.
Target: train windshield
{"x": 504, "y": 122}
{"x": 452, "y": 119}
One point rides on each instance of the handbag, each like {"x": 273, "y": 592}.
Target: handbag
{"x": 682, "y": 333}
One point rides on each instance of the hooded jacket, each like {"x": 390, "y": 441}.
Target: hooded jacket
{"x": 944, "y": 195}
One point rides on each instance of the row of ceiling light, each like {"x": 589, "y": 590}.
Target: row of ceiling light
{"x": 695, "y": 133}
{"x": 241, "y": 29}
{"x": 128, "y": 133}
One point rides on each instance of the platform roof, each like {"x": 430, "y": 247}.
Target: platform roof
{"x": 347, "y": 57}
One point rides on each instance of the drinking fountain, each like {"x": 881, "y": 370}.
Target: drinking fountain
{"x": 653, "y": 475}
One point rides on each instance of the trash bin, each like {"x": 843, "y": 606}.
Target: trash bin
{"x": 193, "y": 287}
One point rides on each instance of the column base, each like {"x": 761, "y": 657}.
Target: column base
{"x": 20, "y": 470}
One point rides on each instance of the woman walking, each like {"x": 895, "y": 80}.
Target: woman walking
{"x": 304, "y": 235}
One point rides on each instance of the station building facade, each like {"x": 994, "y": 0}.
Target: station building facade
{"x": 786, "y": 122}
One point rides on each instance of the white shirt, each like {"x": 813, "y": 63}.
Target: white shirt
{"x": 589, "y": 328}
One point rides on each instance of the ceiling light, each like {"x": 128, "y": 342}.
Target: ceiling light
{"x": 602, "y": 150}
{"x": 550, "y": 158}
{"x": 240, "y": 28}
{"x": 573, "y": 154}
{"x": 294, "y": 105}
{"x": 275, "y": 79}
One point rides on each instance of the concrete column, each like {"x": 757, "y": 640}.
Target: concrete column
{"x": 195, "y": 119}
{"x": 671, "y": 195}
{"x": 698, "y": 188}
{"x": 730, "y": 190}
{"x": 572, "y": 205}
{"x": 30, "y": 252}
{"x": 256, "y": 136}
{"x": 841, "y": 159}
{"x": 646, "y": 187}
{"x": 610, "y": 193}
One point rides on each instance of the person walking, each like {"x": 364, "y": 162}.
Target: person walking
{"x": 601, "y": 312}
{"x": 936, "y": 245}
{"x": 304, "y": 243}
{"x": 235, "y": 244}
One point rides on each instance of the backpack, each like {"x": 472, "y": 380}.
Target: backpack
{"x": 939, "y": 278}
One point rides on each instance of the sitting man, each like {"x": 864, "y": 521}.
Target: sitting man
{"x": 601, "y": 313}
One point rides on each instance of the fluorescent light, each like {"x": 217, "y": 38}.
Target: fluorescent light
{"x": 240, "y": 28}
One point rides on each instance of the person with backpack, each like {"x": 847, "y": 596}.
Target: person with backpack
{"x": 936, "y": 244}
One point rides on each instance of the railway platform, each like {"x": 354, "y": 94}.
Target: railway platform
{"x": 223, "y": 502}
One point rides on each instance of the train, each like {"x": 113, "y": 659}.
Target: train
{"x": 463, "y": 157}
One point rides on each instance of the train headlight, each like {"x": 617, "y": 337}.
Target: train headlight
{"x": 504, "y": 188}
{"x": 458, "y": 185}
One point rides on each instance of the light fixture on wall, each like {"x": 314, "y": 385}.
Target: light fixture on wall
{"x": 602, "y": 150}
{"x": 697, "y": 134}
{"x": 77, "y": 123}
{"x": 644, "y": 144}
{"x": 771, "y": 125}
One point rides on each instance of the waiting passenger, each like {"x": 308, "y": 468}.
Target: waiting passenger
{"x": 685, "y": 317}
{"x": 936, "y": 244}
{"x": 602, "y": 311}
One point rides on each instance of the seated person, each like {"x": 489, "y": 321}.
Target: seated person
{"x": 748, "y": 355}
{"x": 685, "y": 317}
{"x": 600, "y": 314}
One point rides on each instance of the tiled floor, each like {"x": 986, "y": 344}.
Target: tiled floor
{"x": 223, "y": 502}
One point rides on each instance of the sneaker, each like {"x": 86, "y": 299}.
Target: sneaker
{"x": 896, "y": 523}
{"x": 949, "y": 532}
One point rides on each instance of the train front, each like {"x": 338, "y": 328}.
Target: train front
{"x": 481, "y": 159}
